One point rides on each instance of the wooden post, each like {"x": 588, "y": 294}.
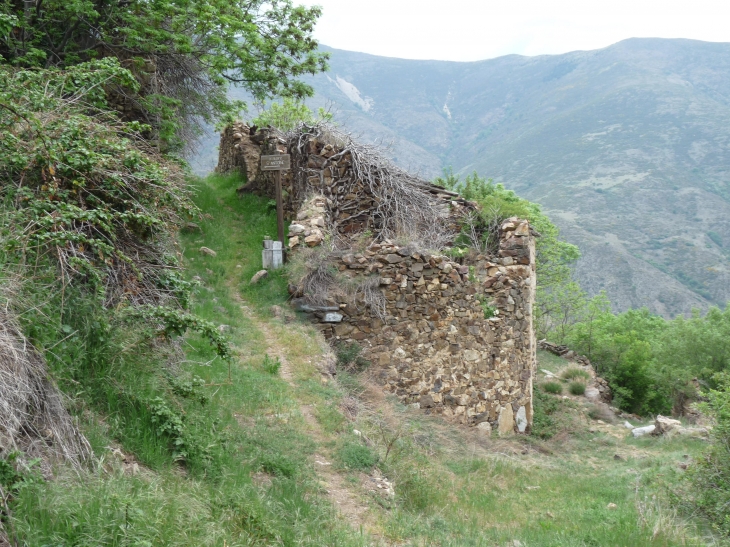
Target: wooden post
{"x": 279, "y": 208}
{"x": 277, "y": 162}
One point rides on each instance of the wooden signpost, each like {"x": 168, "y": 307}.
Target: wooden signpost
{"x": 277, "y": 163}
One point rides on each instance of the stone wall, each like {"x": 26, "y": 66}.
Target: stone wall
{"x": 324, "y": 165}
{"x": 454, "y": 337}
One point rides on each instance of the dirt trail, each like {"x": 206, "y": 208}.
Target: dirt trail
{"x": 349, "y": 504}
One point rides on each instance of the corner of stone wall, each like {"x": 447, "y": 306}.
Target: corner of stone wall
{"x": 238, "y": 153}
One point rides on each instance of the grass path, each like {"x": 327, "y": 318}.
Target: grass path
{"x": 345, "y": 500}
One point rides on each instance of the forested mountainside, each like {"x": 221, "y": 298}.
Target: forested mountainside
{"x": 627, "y": 148}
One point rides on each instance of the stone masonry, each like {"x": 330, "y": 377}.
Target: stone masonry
{"x": 453, "y": 336}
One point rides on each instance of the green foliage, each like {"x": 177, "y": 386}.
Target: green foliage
{"x": 270, "y": 365}
{"x": 191, "y": 49}
{"x": 557, "y": 296}
{"x": 349, "y": 358}
{"x": 620, "y": 347}
{"x": 574, "y": 372}
{"x": 577, "y": 388}
{"x": 15, "y": 474}
{"x": 356, "y": 456}
{"x": 554, "y": 387}
{"x": 489, "y": 310}
{"x": 710, "y": 475}
{"x": 175, "y": 322}
{"x": 544, "y": 424}
{"x": 290, "y": 113}
{"x": 84, "y": 189}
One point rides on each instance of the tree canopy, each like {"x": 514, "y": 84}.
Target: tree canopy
{"x": 184, "y": 53}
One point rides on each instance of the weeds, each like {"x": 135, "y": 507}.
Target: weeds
{"x": 577, "y": 388}
{"x": 349, "y": 358}
{"x": 556, "y": 388}
{"x": 356, "y": 456}
{"x": 271, "y": 366}
{"x": 575, "y": 374}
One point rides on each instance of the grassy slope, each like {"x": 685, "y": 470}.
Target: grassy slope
{"x": 262, "y": 485}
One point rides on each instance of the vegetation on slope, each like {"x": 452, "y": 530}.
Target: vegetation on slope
{"x": 653, "y": 365}
{"x": 182, "y": 53}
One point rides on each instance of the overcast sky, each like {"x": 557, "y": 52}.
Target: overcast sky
{"x": 470, "y": 30}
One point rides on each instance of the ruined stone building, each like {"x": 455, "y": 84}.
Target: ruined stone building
{"x": 453, "y": 335}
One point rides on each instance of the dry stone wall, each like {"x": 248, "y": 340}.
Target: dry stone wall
{"x": 454, "y": 337}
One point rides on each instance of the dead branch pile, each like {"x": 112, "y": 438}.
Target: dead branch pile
{"x": 369, "y": 192}
{"x": 33, "y": 418}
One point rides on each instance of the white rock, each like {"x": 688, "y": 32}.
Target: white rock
{"x": 641, "y": 431}
{"x": 627, "y": 425}
{"x": 258, "y": 276}
{"x": 207, "y": 251}
{"x": 521, "y": 419}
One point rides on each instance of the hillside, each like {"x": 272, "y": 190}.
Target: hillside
{"x": 625, "y": 147}
{"x": 290, "y": 455}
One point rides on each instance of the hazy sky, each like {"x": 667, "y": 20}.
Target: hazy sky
{"x": 469, "y": 30}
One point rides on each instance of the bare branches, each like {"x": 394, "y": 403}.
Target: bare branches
{"x": 32, "y": 414}
{"x": 366, "y": 189}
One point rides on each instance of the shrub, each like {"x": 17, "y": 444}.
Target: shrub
{"x": 577, "y": 388}
{"x": 357, "y": 456}
{"x": 544, "y": 424}
{"x": 552, "y": 387}
{"x": 601, "y": 411}
{"x": 710, "y": 476}
{"x": 574, "y": 373}
{"x": 270, "y": 365}
{"x": 349, "y": 358}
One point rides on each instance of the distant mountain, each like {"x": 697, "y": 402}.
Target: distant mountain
{"x": 627, "y": 148}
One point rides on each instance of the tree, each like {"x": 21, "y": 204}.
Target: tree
{"x": 184, "y": 53}
{"x": 288, "y": 114}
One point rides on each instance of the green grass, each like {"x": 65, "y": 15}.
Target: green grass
{"x": 356, "y": 456}
{"x": 556, "y": 388}
{"x": 574, "y": 373}
{"x": 251, "y": 478}
{"x": 577, "y": 388}
{"x": 231, "y": 431}
{"x": 550, "y": 361}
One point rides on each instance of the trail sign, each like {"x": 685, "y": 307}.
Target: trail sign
{"x": 278, "y": 162}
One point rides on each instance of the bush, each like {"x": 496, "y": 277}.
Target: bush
{"x": 357, "y": 456}
{"x": 349, "y": 358}
{"x": 544, "y": 424}
{"x": 709, "y": 493}
{"x": 270, "y": 365}
{"x": 553, "y": 387}
{"x": 575, "y": 373}
{"x": 577, "y": 388}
